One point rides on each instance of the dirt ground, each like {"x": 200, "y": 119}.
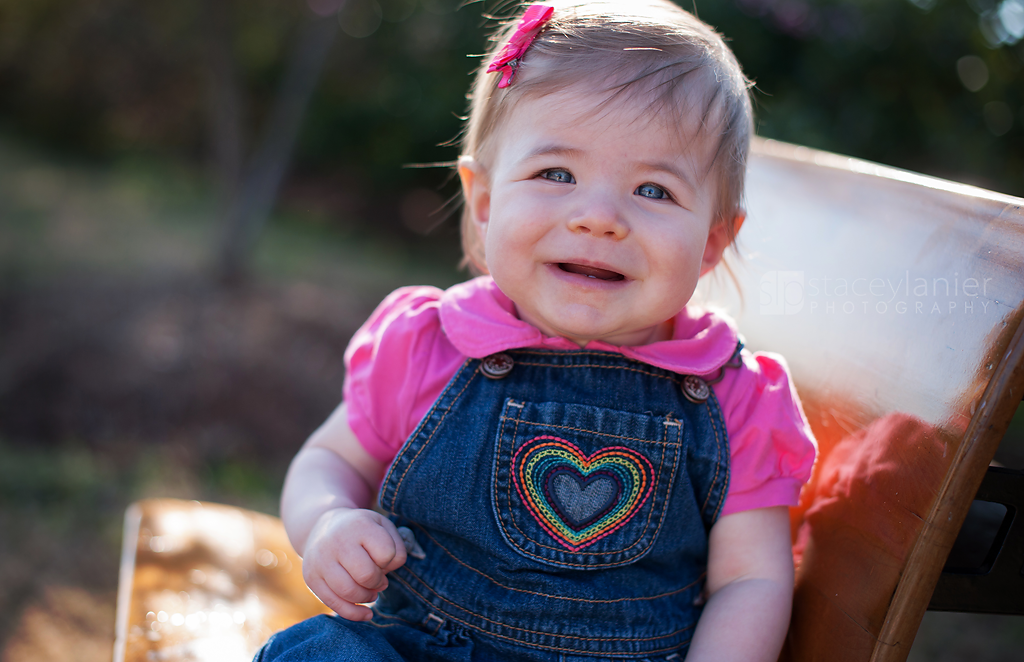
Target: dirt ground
{"x": 232, "y": 371}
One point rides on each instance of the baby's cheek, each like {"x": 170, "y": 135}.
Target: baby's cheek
{"x": 507, "y": 248}
{"x": 501, "y": 264}
{"x": 515, "y": 282}
{"x": 496, "y": 254}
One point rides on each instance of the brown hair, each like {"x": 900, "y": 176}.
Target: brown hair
{"x": 647, "y": 51}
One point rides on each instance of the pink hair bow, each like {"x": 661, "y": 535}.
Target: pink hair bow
{"x": 507, "y": 61}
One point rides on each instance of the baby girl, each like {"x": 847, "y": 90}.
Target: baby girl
{"x": 573, "y": 463}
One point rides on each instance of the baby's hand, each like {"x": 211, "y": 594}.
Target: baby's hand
{"x": 347, "y": 555}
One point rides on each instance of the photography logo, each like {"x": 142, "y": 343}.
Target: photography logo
{"x": 782, "y": 292}
{"x": 790, "y": 292}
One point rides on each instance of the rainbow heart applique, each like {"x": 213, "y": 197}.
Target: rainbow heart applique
{"x": 577, "y": 498}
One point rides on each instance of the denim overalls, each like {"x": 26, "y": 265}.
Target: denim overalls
{"x": 560, "y": 503}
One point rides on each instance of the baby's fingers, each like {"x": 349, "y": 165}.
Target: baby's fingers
{"x": 364, "y": 572}
{"x": 388, "y": 554}
{"x": 344, "y": 608}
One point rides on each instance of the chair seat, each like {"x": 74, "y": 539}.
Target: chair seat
{"x": 205, "y": 582}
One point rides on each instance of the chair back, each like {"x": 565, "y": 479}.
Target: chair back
{"x": 897, "y": 301}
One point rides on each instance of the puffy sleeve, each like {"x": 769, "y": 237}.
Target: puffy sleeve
{"x": 772, "y": 448}
{"x": 392, "y": 369}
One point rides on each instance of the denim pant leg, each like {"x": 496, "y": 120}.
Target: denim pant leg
{"x": 384, "y": 639}
{"x": 391, "y": 639}
{"x": 324, "y": 638}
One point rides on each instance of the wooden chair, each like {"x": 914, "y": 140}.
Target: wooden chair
{"x": 909, "y": 360}
{"x": 206, "y": 582}
{"x": 908, "y": 385}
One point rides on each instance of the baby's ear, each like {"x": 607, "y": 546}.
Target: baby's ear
{"x": 476, "y": 189}
{"x": 720, "y": 236}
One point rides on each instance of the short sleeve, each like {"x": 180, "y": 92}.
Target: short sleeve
{"x": 395, "y": 366}
{"x": 771, "y": 445}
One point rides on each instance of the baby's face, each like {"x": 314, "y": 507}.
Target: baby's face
{"x": 595, "y": 221}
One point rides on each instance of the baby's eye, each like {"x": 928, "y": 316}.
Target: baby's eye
{"x": 558, "y": 175}
{"x": 651, "y": 191}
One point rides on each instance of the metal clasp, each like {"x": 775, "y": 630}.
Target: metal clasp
{"x": 497, "y": 366}
{"x": 695, "y": 389}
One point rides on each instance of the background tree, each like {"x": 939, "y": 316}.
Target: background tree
{"x": 935, "y": 86}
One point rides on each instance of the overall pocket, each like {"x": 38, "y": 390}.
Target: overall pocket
{"x": 583, "y": 487}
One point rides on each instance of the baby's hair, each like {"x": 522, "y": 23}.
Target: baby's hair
{"x": 645, "y": 51}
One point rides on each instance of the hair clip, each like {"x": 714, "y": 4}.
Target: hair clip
{"x": 507, "y": 61}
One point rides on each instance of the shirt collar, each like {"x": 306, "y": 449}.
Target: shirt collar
{"x": 480, "y": 320}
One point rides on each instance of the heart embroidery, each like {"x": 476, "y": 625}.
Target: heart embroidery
{"x": 579, "y": 499}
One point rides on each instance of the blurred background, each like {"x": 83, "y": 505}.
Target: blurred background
{"x": 201, "y": 200}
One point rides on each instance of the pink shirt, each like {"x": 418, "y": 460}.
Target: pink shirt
{"x": 401, "y": 359}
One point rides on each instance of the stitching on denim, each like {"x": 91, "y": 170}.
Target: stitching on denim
{"x": 508, "y": 484}
{"x": 718, "y": 464}
{"x": 437, "y": 620}
{"x": 494, "y": 478}
{"x": 650, "y": 514}
{"x": 713, "y": 420}
{"x": 511, "y": 516}
{"x": 395, "y": 617}
{"x": 663, "y": 503}
{"x": 381, "y": 626}
{"x": 535, "y": 632}
{"x": 548, "y": 595}
{"x": 608, "y": 367}
{"x": 614, "y": 356}
{"x": 716, "y": 418}
{"x": 426, "y": 418}
{"x": 404, "y": 621}
{"x": 437, "y": 404}
{"x": 633, "y": 555}
{"x": 671, "y": 482}
{"x": 652, "y": 490}
{"x": 596, "y": 432}
{"x": 437, "y": 427}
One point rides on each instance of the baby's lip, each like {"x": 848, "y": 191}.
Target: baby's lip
{"x": 591, "y": 270}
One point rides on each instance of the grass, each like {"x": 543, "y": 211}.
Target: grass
{"x": 72, "y": 488}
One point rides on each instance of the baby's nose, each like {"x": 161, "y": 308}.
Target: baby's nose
{"x": 600, "y": 219}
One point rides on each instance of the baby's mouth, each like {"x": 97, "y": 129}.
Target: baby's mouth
{"x": 590, "y": 272}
